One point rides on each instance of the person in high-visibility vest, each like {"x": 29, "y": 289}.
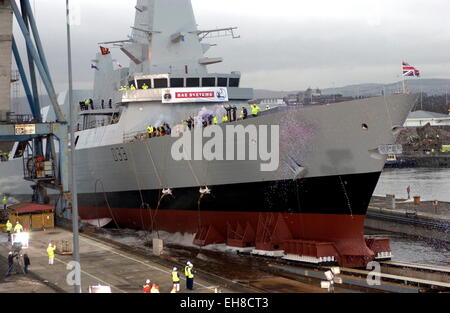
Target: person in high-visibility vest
{"x": 145, "y": 86}
{"x": 150, "y": 130}
{"x": 189, "y": 275}
{"x": 132, "y": 87}
{"x": 255, "y": 110}
{"x": 215, "y": 120}
{"x": 18, "y": 228}
{"x": 146, "y": 288}
{"x": 51, "y": 253}
{"x": 5, "y": 202}
{"x": 225, "y": 119}
{"x": 175, "y": 279}
{"x": 9, "y": 227}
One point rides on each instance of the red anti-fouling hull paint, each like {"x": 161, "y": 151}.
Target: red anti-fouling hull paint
{"x": 346, "y": 232}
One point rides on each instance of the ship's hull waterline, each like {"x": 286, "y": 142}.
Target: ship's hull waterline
{"x": 328, "y": 170}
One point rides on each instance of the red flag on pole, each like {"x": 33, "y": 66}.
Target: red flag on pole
{"x": 104, "y": 50}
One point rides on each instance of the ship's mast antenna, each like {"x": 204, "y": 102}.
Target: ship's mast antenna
{"x": 218, "y": 33}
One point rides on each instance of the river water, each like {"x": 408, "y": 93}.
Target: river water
{"x": 416, "y": 250}
{"x": 430, "y": 184}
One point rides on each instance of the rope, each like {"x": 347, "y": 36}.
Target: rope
{"x": 154, "y": 165}
{"x": 106, "y": 200}
{"x": 143, "y": 203}
{"x": 346, "y": 196}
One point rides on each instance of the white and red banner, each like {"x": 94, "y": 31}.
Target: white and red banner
{"x": 185, "y": 95}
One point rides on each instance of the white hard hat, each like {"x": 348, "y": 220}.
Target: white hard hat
{"x": 188, "y": 263}
{"x": 147, "y": 281}
{"x": 175, "y": 269}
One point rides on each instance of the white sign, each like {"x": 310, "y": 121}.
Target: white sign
{"x": 25, "y": 129}
{"x": 185, "y": 95}
{"x": 390, "y": 149}
{"x": 100, "y": 289}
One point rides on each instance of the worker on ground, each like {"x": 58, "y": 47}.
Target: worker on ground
{"x": 189, "y": 275}
{"x": 10, "y": 263}
{"x": 155, "y": 289}
{"x": 4, "y": 202}
{"x": 9, "y": 227}
{"x": 145, "y": 86}
{"x": 26, "y": 263}
{"x": 132, "y": 87}
{"x": 215, "y": 120}
{"x": 267, "y": 107}
{"x": 18, "y": 228}
{"x": 175, "y": 279}
{"x": 146, "y": 288}
{"x": 255, "y": 110}
{"x": 51, "y": 253}
{"x": 225, "y": 119}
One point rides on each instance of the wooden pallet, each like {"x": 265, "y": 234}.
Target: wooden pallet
{"x": 63, "y": 247}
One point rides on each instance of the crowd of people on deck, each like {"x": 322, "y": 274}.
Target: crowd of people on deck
{"x": 206, "y": 118}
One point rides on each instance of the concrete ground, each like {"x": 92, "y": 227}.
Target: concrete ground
{"x": 20, "y": 283}
{"x": 100, "y": 264}
{"x": 440, "y": 210}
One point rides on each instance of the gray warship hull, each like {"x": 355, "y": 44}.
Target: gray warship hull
{"x": 310, "y": 207}
{"x": 329, "y": 167}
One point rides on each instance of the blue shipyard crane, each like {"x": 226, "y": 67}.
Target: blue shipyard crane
{"x": 33, "y": 130}
{"x": 43, "y": 164}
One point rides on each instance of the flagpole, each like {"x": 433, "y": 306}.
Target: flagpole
{"x": 404, "y": 80}
{"x": 405, "y": 86}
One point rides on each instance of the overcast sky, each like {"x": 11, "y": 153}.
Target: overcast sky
{"x": 284, "y": 44}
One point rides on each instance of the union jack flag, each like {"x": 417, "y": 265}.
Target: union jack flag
{"x": 410, "y": 71}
